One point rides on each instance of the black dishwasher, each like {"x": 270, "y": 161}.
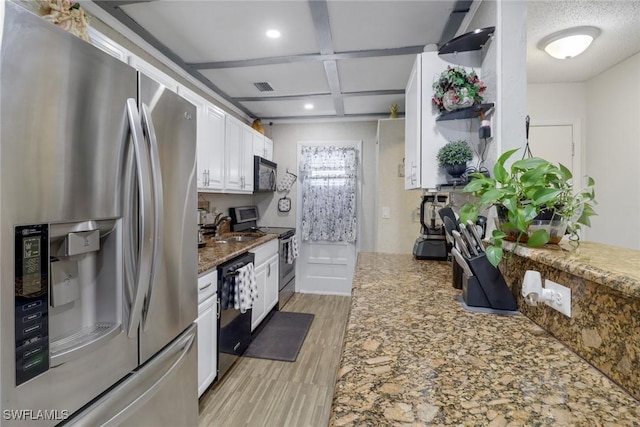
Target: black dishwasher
{"x": 234, "y": 327}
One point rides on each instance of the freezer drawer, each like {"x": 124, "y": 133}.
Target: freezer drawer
{"x": 164, "y": 392}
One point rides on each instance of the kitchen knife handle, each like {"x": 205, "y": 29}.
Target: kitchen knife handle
{"x": 476, "y": 234}
{"x": 468, "y": 239}
{"x": 462, "y": 246}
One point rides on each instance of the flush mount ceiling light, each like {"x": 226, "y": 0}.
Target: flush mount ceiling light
{"x": 308, "y": 106}
{"x": 273, "y": 34}
{"x": 568, "y": 43}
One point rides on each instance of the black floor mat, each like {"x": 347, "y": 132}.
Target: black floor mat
{"x": 282, "y": 337}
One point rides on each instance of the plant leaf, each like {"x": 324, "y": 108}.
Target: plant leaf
{"x": 566, "y": 173}
{"x": 500, "y": 173}
{"x": 530, "y": 163}
{"x": 586, "y": 213}
{"x": 494, "y": 255}
{"x": 468, "y": 212}
{"x": 538, "y": 238}
{"x": 544, "y": 195}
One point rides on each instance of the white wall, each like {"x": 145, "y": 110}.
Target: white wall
{"x": 613, "y": 152}
{"x": 397, "y": 233}
{"x": 608, "y": 110}
{"x": 286, "y": 137}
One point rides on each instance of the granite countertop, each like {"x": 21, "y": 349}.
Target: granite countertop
{"x": 413, "y": 356}
{"x": 612, "y": 266}
{"x": 214, "y": 253}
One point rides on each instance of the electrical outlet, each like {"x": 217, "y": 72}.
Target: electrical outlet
{"x": 386, "y": 212}
{"x": 562, "y": 300}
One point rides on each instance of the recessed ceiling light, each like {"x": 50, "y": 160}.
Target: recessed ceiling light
{"x": 273, "y": 34}
{"x": 308, "y": 106}
{"x": 568, "y": 43}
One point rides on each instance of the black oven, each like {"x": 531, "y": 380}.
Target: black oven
{"x": 264, "y": 174}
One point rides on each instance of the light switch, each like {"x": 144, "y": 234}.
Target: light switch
{"x": 386, "y": 212}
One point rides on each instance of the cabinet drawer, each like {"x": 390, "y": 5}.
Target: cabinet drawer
{"x": 265, "y": 251}
{"x": 207, "y": 285}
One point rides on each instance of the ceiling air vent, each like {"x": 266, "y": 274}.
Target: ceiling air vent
{"x": 263, "y": 86}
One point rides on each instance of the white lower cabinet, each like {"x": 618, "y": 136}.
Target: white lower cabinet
{"x": 266, "y": 262}
{"x": 207, "y": 330}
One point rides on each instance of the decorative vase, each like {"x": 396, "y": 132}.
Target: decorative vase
{"x": 257, "y": 125}
{"x": 456, "y": 170}
{"x": 453, "y": 100}
{"x": 556, "y": 227}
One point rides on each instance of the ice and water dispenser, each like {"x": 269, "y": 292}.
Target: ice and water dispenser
{"x": 68, "y": 292}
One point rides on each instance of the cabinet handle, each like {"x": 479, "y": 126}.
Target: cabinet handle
{"x": 268, "y": 270}
{"x": 218, "y": 308}
{"x": 205, "y": 286}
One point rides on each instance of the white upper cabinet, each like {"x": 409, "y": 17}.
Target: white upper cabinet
{"x": 424, "y": 135}
{"x": 262, "y": 146}
{"x": 151, "y": 71}
{"x": 412, "y": 125}
{"x": 210, "y": 142}
{"x": 107, "y": 45}
{"x": 238, "y": 157}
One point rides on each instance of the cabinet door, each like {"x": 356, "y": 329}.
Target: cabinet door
{"x": 107, "y": 45}
{"x": 413, "y": 130}
{"x": 258, "y": 144}
{"x": 272, "y": 283}
{"x": 233, "y": 155}
{"x": 151, "y": 71}
{"x": 201, "y": 148}
{"x": 214, "y": 141}
{"x": 268, "y": 149}
{"x": 258, "y": 311}
{"x": 247, "y": 161}
{"x": 207, "y": 343}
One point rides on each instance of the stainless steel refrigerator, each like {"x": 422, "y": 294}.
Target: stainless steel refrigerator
{"x": 98, "y": 255}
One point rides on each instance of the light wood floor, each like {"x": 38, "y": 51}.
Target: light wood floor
{"x": 264, "y": 393}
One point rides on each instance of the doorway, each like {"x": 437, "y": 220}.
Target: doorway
{"x": 329, "y": 215}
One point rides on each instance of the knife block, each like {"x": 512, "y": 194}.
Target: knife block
{"x": 472, "y": 292}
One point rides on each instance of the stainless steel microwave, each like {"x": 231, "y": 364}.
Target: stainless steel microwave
{"x": 264, "y": 174}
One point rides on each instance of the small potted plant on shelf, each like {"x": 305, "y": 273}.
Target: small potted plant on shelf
{"x": 457, "y": 88}
{"x": 453, "y": 157}
{"x": 535, "y": 200}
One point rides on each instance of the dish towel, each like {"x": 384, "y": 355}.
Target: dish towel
{"x": 292, "y": 252}
{"x": 246, "y": 289}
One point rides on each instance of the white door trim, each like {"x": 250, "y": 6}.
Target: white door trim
{"x": 579, "y": 161}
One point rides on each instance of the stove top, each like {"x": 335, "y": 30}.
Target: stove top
{"x": 282, "y": 232}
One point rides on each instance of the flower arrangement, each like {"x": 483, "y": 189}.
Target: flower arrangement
{"x": 457, "y": 88}
{"x": 66, "y": 14}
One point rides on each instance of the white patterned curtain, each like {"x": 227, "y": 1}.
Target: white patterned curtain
{"x": 329, "y": 188}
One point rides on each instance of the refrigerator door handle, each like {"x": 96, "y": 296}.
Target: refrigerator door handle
{"x": 109, "y": 410}
{"x": 145, "y": 224}
{"x": 158, "y": 209}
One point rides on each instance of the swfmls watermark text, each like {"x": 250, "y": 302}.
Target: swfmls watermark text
{"x": 35, "y": 414}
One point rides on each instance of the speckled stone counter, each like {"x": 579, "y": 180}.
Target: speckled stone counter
{"x": 215, "y": 253}
{"x": 617, "y": 268}
{"x": 413, "y": 356}
{"x": 604, "y": 327}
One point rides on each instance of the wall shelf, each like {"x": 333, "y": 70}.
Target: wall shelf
{"x": 465, "y": 113}
{"x": 467, "y": 42}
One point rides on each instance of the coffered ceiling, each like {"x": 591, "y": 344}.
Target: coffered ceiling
{"x": 350, "y": 58}
{"x": 346, "y": 58}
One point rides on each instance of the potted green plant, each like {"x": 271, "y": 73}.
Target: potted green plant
{"x": 453, "y": 157}
{"x": 457, "y": 88}
{"x": 535, "y": 200}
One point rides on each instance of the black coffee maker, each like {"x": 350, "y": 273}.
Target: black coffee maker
{"x": 432, "y": 243}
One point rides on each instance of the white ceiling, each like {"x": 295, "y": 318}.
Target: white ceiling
{"x": 350, "y": 58}
{"x": 619, "y": 22}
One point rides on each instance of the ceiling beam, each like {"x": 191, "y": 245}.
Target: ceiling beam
{"x": 319, "y": 95}
{"x": 322, "y": 27}
{"x": 312, "y": 57}
{"x": 460, "y": 10}
{"x": 126, "y": 20}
